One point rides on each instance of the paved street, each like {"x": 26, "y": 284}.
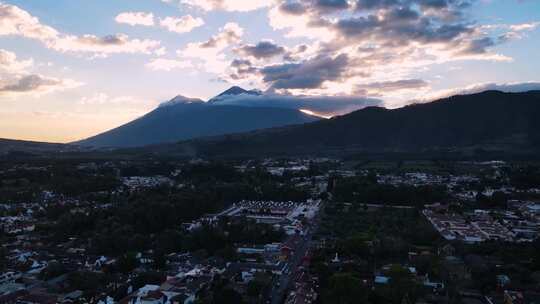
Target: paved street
{"x": 301, "y": 248}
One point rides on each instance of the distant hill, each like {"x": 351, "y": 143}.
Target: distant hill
{"x": 21, "y": 146}
{"x": 491, "y": 120}
{"x": 184, "y": 118}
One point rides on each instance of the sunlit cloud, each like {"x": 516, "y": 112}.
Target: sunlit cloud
{"x": 226, "y": 5}
{"x": 16, "y": 78}
{"x": 104, "y": 45}
{"x": 211, "y": 51}
{"x": 16, "y": 21}
{"x": 35, "y": 85}
{"x": 182, "y": 24}
{"x": 9, "y": 63}
{"x": 136, "y": 18}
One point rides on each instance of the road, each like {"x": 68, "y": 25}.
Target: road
{"x": 301, "y": 248}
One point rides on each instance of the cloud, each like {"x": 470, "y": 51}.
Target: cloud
{"x": 183, "y": 24}
{"x": 15, "y": 21}
{"x": 261, "y": 50}
{"x": 296, "y": 20}
{"x": 135, "y": 18}
{"x": 331, "y": 5}
{"x": 242, "y": 69}
{"x": 230, "y": 33}
{"x": 323, "y": 105}
{"x": 10, "y": 64}
{"x": 161, "y": 64}
{"x": 525, "y": 26}
{"x": 308, "y": 74}
{"x": 382, "y": 40}
{"x": 161, "y": 51}
{"x": 375, "y": 4}
{"x": 211, "y": 51}
{"x": 226, "y": 5}
{"x": 400, "y": 27}
{"x": 35, "y": 85}
{"x": 512, "y": 87}
{"x": 180, "y": 25}
{"x": 477, "y": 46}
{"x": 112, "y": 44}
{"x": 515, "y": 31}
{"x": 16, "y": 78}
{"x": 380, "y": 88}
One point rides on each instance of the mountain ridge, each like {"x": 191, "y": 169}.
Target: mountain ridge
{"x": 184, "y": 118}
{"x": 486, "y": 120}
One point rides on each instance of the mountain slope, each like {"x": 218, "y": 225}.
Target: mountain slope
{"x": 177, "y": 121}
{"x": 488, "y": 120}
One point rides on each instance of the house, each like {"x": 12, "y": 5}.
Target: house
{"x": 381, "y": 280}
{"x": 9, "y": 276}
{"x": 447, "y": 250}
{"x": 251, "y": 250}
{"x": 38, "y": 298}
{"x": 182, "y": 299}
{"x": 247, "y": 276}
{"x": 154, "y": 297}
{"x": 454, "y": 269}
{"x": 72, "y": 297}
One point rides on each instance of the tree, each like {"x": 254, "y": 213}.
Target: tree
{"x": 127, "y": 262}
{"x": 345, "y": 288}
{"x": 160, "y": 260}
{"x": 3, "y": 259}
{"x": 260, "y": 285}
{"x": 401, "y": 284}
{"x": 148, "y": 277}
{"x": 53, "y": 270}
{"x": 86, "y": 281}
{"x": 227, "y": 296}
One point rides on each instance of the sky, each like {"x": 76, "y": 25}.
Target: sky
{"x": 70, "y": 69}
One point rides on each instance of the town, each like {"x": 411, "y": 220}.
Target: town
{"x": 314, "y": 230}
